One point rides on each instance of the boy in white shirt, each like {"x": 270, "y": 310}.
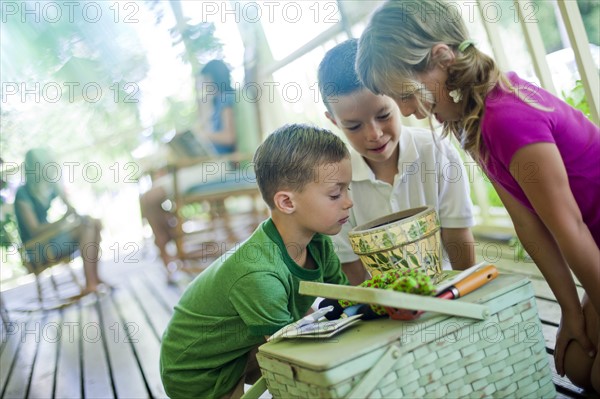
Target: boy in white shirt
{"x": 394, "y": 167}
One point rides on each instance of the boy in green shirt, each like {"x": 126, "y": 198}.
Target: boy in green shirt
{"x": 209, "y": 346}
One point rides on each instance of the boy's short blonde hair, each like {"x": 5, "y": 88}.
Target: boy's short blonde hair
{"x": 289, "y": 157}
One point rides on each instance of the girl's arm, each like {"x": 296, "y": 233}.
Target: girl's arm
{"x": 542, "y": 248}
{"x": 540, "y": 245}
{"x": 63, "y": 196}
{"x": 540, "y": 171}
{"x": 460, "y": 247}
{"x": 31, "y": 222}
{"x": 355, "y": 271}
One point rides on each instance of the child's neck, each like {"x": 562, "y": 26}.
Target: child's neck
{"x": 302, "y": 257}
{"x": 295, "y": 241}
{"x": 386, "y": 170}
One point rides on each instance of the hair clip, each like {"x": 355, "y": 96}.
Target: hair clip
{"x": 456, "y": 95}
{"x": 465, "y": 44}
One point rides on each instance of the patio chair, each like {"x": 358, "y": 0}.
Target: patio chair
{"x": 206, "y": 224}
{"x": 47, "y": 265}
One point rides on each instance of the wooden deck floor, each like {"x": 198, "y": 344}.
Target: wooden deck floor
{"x": 108, "y": 347}
{"x": 100, "y": 347}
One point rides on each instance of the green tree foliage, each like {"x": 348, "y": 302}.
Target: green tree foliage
{"x": 544, "y": 12}
{"x": 70, "y": 79}
{"x": 199, "y": 45}
{"x": 576, "y": 98}
{"x": 590, "y": 12}
{"x": 199, "y": 41}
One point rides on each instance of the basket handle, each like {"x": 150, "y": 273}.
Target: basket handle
{"x": 256, "y": 390}
{"x": 395, "y": 299}
{"x": 375, "y": 373}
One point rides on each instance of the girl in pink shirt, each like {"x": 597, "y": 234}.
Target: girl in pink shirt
{"x": 540, "y": 154}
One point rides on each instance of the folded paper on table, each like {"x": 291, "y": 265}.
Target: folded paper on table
{"x": 319, "y": 329}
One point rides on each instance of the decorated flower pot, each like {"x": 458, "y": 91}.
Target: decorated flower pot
{"x": 409, "y": 239}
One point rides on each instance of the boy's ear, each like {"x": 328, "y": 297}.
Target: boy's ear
{"x": 331, "y": 118}
{"x": 284, "y": 202}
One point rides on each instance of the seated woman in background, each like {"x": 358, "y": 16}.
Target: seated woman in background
{"x": 215, "y": 103}
{"x": 58, "y": 239}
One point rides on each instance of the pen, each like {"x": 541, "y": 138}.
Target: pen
{"x": 460, "y": 276}
{"x": 470, "y": 283}
{"x": 314, "y": 316}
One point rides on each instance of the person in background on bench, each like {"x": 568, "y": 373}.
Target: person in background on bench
{"x": 383, "y": 152}
{"x": 32, "y": 203}
{"x": 209, "y": 347}
{"x": 216, "y": 95}
{"x": 540, "y": 154}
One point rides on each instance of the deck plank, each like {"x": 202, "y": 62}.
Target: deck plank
{"x": 29, "y": 338}
{"x": 155, "y": 312}
{"x": 128, "y": 384}
{"x": 168, "y": 294}
{"x": 97, "y": 375}
{"x": 549, "y": 311}
{"x": 549, "y": 333}
{"x": 10, "y": 351}
{"x": 542, "y": 290}
{"x": 69, "y": 382}
{"x": 145, "y": 343}
{"x": 503, "y": 257}
{"x": 44, "y": 369}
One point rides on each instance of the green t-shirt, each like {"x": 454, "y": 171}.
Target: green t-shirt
{"x": 249, "y": 292}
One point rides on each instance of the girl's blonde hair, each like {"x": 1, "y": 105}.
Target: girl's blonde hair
{"x": 396, "y": 46}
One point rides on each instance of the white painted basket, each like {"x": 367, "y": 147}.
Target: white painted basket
{"x": 436, "y": 356}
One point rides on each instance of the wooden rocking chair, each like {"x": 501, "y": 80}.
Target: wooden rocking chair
{"x": 29, "y": 256}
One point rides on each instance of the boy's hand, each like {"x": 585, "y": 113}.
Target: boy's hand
{"x": 368, "y": 313}
{"x": 337, "y": 308}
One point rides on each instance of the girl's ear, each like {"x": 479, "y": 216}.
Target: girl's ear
{"x": 442, "y": 54}
{"x": 284, "y": 202}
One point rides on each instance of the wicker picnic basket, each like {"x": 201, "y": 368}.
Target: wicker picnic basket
{"x": 436, "y": 356}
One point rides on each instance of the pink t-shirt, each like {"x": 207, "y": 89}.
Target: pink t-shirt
{"x": 509, "y": 124}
